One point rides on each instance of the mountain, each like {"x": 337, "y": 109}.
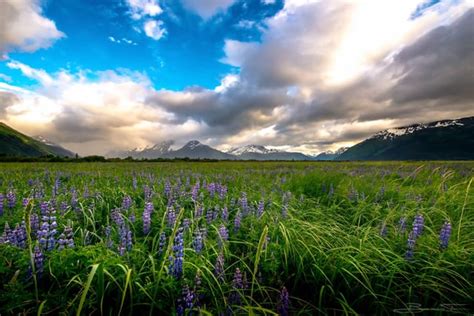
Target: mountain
{"x": 14, "y": 143}
{"x": 258, "y": 152}
{"x": 440, "y": 140}
{"x": 195, "y": 150}
{"x": 148, "y": 152}
{"x": 331, "y": 155}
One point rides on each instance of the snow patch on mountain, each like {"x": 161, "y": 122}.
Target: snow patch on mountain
{"x": 392, "y": 133}
{"x": 255, "y": 149}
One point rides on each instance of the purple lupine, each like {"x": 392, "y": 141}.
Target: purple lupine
{"x": 198, "y": 212}
{"x": 418, "y": 225}
{"x": 108, "y": 236}
{"x": 56, "y": 186}
{"x": 284, "y": 302}
{"x": 410, "y": 245}
{"x": 260, "y": 208}
{"x": 167, "y": 189}
{"x": 2, "y": 199}
{"x": 209, "y": 216}
{"x": 132, "y": 217}
{"x": 47, "y": 232}
{"x": 444, "y": 235}
{"x": 38, "y": 260}
{"x": 195, "y": 192}
{"x": 147, "y": 193}
{"x": 219, "y": 267}
{"x": 117, "y": 217}
{"x": 176, "y": 261}
{"x": 237, "y": 286}
{"x": 225, "y": 214}
{"x": 20, "y": 232}
{"x": 198, "y": 241}
{"x": 134, "y": 183}
{"x": 8, "y": 236}
{"x": 25, "y": 202}
{"x": 74, "y": 199}
{"x": 11, "y": 199}
{"x": 171, "y": 216}
{"x": 162, "y": 243}
{"x": 223, "y": 235}
{"x": 237, "y": 221}
{"x": 126, "y": 203}
{"x": 147, "y": 217}
{"x": 211, "y": 188}
{"x": 402, "y": 224}
{"x": 244, "y": 203}
{"x": 125, "y": 239}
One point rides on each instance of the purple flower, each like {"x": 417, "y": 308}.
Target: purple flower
{"x": 402, "y": 224}
{"x": 211, "y": 188}
{"x": 126, "y": 203}
{"x": 225, "y": 214}
{"x": 244, "y": 203}
{"x": 117, "y": 217}
{"x": 284, "y": 302}
{"x": 223, "y": 235}
{"x": 47, "y": 232}
{"x": 418, "y": 225}
{"x": 444, "y": 235}
{"x": 11, "y": 199}
{"x": 162, "y": 243}
{"x": 167, "y": 189}
{"x": 147, "y": 217}
{"x": 219, "y": 267}
{"x": 198, "y": 212}
{"x": 410, "y": 246}
{"x": 38, "y": 260}
{"x": 237, "y": 221}
{"x": 125, "y": 240}
{"x": 147, "y": 193}
{"x": 237, "y": 286}
{"x": 176, "y": 261}
{"x": 2, "y": 199}
{"x": 195, "y": 192}
{"x": 108, "y": 236}
{"x": 171, "y": 216}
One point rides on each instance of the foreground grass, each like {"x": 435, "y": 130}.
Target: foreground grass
{"x": 329, "y": 233}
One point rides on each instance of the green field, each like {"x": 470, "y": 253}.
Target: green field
{"x": 236, "y": 238}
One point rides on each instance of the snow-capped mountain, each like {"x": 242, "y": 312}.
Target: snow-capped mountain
{"x": 392, "y": 133}
{"x": 53, "y": 147}
{"x": 196, "y": 150}
{"x": 331, "y": 155}
{"x": 146, "y": 152}
{"x": 256, "y": 149}
{"x": 440, "y": 140}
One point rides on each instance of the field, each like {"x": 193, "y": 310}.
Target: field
{"x": 237, "y": 238}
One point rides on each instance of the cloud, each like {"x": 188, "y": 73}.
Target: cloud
{"x": 24, "y": 28}
{"x": 7, "y": 99}
{"x": 143, "y": 8}
{"x": 154, "y": 29}
{"x": 207, "y": 9}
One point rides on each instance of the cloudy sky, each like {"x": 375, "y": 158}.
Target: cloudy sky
{"x": 304, "y": 75}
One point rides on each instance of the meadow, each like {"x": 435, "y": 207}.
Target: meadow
{"x": 232, "y": 238}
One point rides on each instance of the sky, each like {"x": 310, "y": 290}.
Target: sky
{"x": 300, "y": 75}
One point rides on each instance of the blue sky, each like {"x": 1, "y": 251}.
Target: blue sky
{"x": 300, "y": 75}
{"x": 187, "y": 55}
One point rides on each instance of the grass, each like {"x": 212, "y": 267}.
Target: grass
{"x": 320, "y": 236}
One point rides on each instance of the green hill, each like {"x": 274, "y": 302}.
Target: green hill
{"x": 14, "y": 143}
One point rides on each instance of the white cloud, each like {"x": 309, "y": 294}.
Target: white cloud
{"x": 207, "y": 8}
{"x": 143, "y": 8}
{"x": 24, "y": 28}
{"x": 154, "y": 29}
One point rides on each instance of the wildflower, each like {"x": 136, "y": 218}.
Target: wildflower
{"x": 38, "y": 260}
{"x": 237, "y": 221}
{"x": 176, "y": 261}
{"x": 147, "y": 217}
{"x": 284, "y": 302}
{"x": 2, "y": 199}
{"x": 126, "y": 203}
{"x": 171, "y": 216}
{"x": 244, "y": 203}
{"x": 195, "y": 192}
{"x": 198, "y": 242}
{"x": 444, "y": 235}
{"x": 410, "y": 245}
{"x": 108, "y": 232}
{"x": 237, "y": 285}
{"x": 211, "y": 188}
{"x": 11, "y": 199}
{"x": 225, "y": 214}
{"x": 223, "y": 234}
{"x": 418, "y": 225}
{"x": 402, "y": 224}
{"x": 219, "y": 267}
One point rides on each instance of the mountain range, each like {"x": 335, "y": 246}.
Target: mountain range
{"x": 440, "y": 140}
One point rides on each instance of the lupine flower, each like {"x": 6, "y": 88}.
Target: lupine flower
{"x": 225, "y": 214}
{"x": 186, "y": 223}
{"x": 132, "y": 217}
{"x": 211, "y": 188}
{"x": 11, "y": 199}
{"x": 198, "y": 242}
{"x": 176, "y": 261}
{"x": 284, "y": 302}
{"x": 222, "y": 191}
{"x": 126, "y": 203}
{"x": 209, "y": 216}
{"x": 38, "y": 260}
{"x": 244, "y": 203}
{"x": 402, "y": 224}
{"x": 2, "y": 199}
{"x": 74, "y": 199}
{"x": 47, "y": 232}
{"x": 195, "y": 192}
{"x": 20, "y": 232}
{"x": 9, "y": 236}
{"x": 126, "y": 242}
{"x": 162, "y": 243}
{"x": 171, "y": 216}
{"x": 237, "y": 221}
{"x": 418, "y": 225}
{"x": 237, "y": 285}
{"x": 147, "y": 193}
{"x": 261, "y": 208}
{"x": 116, "y": 216}
{"x": 219, "y": 267}
{"x": 147, "y": 217}
{"x": 108, "y": 236}
{"x": 167, "y": 189}
{"x": 198, "y": 212}
{"x": 444, "y": 235}
{"x": 25, "y": 202}
{"x": 223, "y": 234}
{"x": 410, "y": 245}
{"x": 134, "y": 183}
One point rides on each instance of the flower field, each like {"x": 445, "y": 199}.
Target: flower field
{"x": 232, "y": 238}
